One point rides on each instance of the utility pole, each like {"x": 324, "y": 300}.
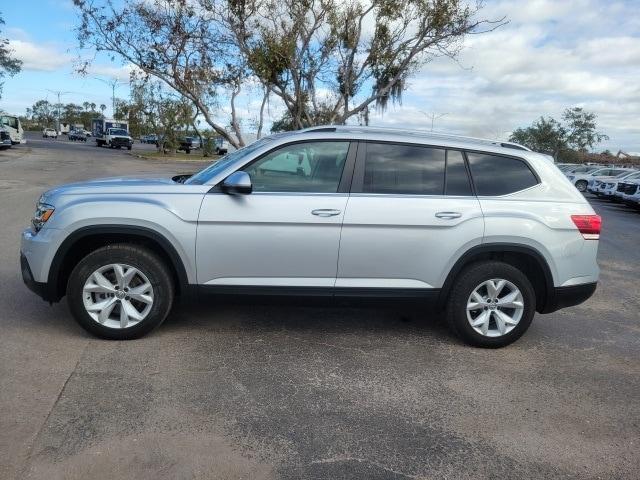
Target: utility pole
{"x": 434, "y": 117}
{"x": 59, "y": 105}
{"x": 113, "y": 84}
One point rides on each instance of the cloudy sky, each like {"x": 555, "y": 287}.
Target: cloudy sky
{"x": 553, "y": 54}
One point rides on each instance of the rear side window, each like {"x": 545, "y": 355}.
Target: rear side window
{"x": 457, "y": 178}
{"x": 494, "y": 175}
{"x": 403, "y": 169}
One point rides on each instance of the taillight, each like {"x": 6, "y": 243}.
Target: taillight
{"x": 588, "y": 225}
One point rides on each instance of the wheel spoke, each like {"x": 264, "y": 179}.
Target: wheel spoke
{"x": 95, "y": 288}
{"x": 130, "y": 310}
{"x": 97, "y": 307}
{"x": 510, "y": 300}
{"x": 102, "y": 281}
{"x": 124, "y": 317}
{"x": 504, "y": 318}
{"x": 106, "y": 311}
{"x": 119, "y": 272}
{"x": 481, "y": 320}
{"x": 500, "y": 325}
{"x": 128, "y": 276}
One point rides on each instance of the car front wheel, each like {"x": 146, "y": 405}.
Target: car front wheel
{"x": 581, "y": 185}
{"x": 491, "y": 305}
{"x": 120, "y": 292}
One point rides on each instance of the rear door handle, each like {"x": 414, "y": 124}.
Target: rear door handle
{"x": 448, "y": 215}
{"x": 325, "y": 212}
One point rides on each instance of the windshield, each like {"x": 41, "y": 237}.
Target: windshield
{"x": 623, "y": 174}
{"x": 215, "y": 168}
{"x": 118, "y": 131}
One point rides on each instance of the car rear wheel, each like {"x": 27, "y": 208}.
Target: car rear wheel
{"x": 491, "y": 305}
{"x": 581, "y": 185}
{"x": 120, "y": 292}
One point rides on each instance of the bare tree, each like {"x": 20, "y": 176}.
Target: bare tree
{"x": 329, "y": 60}
{"x": 325, "y": 60}
{"x": 174, "y": 41}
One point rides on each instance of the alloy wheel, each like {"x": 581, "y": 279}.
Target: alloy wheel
{"x": 118, "y": 296}
{"x": 495, "y": 307}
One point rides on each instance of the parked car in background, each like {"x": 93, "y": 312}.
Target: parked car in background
{"x": 580, "y": 169}
{"x": 149, "y": 138}
{"x": 607, "y": 186}
{"x": 77, "y": 136}
{"x": 49, "y": 133}
{"x": 335, "y": 211}
{"x": 189, "y": 143}
{"x": 5, "y": 139}
{"x": 581, "y": 180}
{"x": 627, "y": 191}
{"x": 596, "y": 182}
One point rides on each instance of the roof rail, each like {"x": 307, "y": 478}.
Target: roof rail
{"x": 416, "y": 133}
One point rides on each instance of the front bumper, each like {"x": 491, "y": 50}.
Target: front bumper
{"x": 39, "y": 288}
{"x": 121, "y": 142}
{"x": 563, "y": 297}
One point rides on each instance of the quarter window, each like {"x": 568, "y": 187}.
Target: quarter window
{"x": 314, "y": 167}
{"x": 494, "y": 175}
{"x": 403, "y": 169}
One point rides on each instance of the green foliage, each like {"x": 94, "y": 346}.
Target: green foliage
{"x": 325, "y": 60}
{"x": 8, "y": 64}
{"x": 45, "y": 114}
{"x": 547, "y": 135}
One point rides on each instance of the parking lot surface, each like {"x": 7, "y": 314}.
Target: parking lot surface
{"x": 300, "y": 391}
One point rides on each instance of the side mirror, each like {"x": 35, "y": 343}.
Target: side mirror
{"x": 237, "y": 183}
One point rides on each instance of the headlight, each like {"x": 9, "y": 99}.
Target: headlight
{"x": 43, "y": 213}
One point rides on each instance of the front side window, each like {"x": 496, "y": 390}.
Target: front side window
{"x": 314, "y": 167}
{"x": 403, "y": 169}
{"x": 495, "y": 175}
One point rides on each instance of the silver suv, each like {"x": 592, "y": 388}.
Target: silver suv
{"x": 488, "y": 232}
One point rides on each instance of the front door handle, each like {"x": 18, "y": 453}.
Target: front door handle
{"x": 325, "y": 212}
{"x": 448, "y": 215}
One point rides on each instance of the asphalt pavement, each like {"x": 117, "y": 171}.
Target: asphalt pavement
{"x": 288, "y": 391}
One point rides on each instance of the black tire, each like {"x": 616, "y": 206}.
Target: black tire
{"x": 129, "y": 148}
{"x": 581, "y": 185}
{"x": 136, "y": 256}
{"x": 467, "y": 281}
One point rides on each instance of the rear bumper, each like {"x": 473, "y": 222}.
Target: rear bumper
{"x": 563, "y": 297}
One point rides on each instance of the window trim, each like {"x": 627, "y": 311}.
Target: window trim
{"x": 344, "y": 184}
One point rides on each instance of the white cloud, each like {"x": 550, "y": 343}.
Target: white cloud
{"x": 40, "y": 57}
{"x": 551, "y": 55}
{"x": 122, "y": 73}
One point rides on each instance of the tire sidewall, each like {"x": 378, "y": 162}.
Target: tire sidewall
{"x": 469, "y": 279}
{"x": 140, "y": 258}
